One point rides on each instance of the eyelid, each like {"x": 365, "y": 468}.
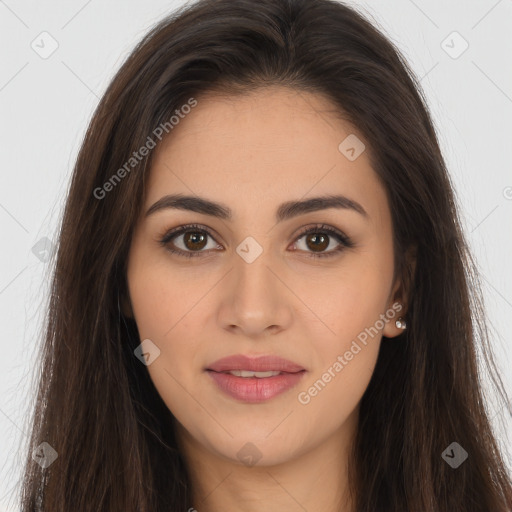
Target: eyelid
{"x": 180, "y": 230}
{"x": 325, "y": 228}
{"x": 344, "y": 241}
{"x": 168, "y": 235}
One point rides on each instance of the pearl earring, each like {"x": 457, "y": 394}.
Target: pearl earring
{"x": 401, "y": 323}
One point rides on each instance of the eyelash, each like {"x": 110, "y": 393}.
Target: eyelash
{"x": 344, "y": 241}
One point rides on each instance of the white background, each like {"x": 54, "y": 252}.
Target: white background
{"x": 45, "y": 105}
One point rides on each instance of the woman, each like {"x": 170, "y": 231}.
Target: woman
{"x": 262, "y": 297}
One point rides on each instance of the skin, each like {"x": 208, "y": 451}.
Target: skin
{"x": 252, "y": 153}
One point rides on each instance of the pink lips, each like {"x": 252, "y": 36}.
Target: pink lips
{"x": 255, "y": 389}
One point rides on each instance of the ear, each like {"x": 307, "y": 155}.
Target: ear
{"x": 400, "y": 294}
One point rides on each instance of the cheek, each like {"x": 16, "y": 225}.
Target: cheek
{"x": 164, "y": 310}
{"x": 346, "y": 301}
{"x": 153, "y": 302}
{"x": 161, "y": 296}
{"x": 346, "y": 354}
{"x": 170, "y": 314}
{"x": 168, "y": 307}
{"x": 331, "y": 396}
{"x": 351, "y": 305}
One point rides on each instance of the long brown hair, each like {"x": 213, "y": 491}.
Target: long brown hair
{"x": 96, "y": 405}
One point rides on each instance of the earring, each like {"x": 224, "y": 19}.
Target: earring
{"x": 401, "y": 323}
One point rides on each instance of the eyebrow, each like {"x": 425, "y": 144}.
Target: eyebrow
{"x": 285, "y": 211}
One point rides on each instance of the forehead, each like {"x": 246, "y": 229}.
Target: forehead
{"x": 272, "y": 145}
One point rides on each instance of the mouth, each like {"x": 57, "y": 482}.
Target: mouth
{"x": 254, "y": 380}
{"x": 260, "y": 364}
{"x": 247, "y": 374}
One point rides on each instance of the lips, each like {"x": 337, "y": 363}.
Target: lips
{"x": 255, "y": 379}
{"x": 265, "y": 363}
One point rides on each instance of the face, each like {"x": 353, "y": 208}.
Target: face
{"x": 245, "y": 279}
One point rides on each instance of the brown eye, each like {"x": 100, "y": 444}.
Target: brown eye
{"x": 318, "y": 238}
{"x": 317, "y": 242}
{"x": 194, "y": 240}
{"x": 188, "y": 241}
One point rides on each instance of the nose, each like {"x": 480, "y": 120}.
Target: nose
{"x": 255, "y": 299}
